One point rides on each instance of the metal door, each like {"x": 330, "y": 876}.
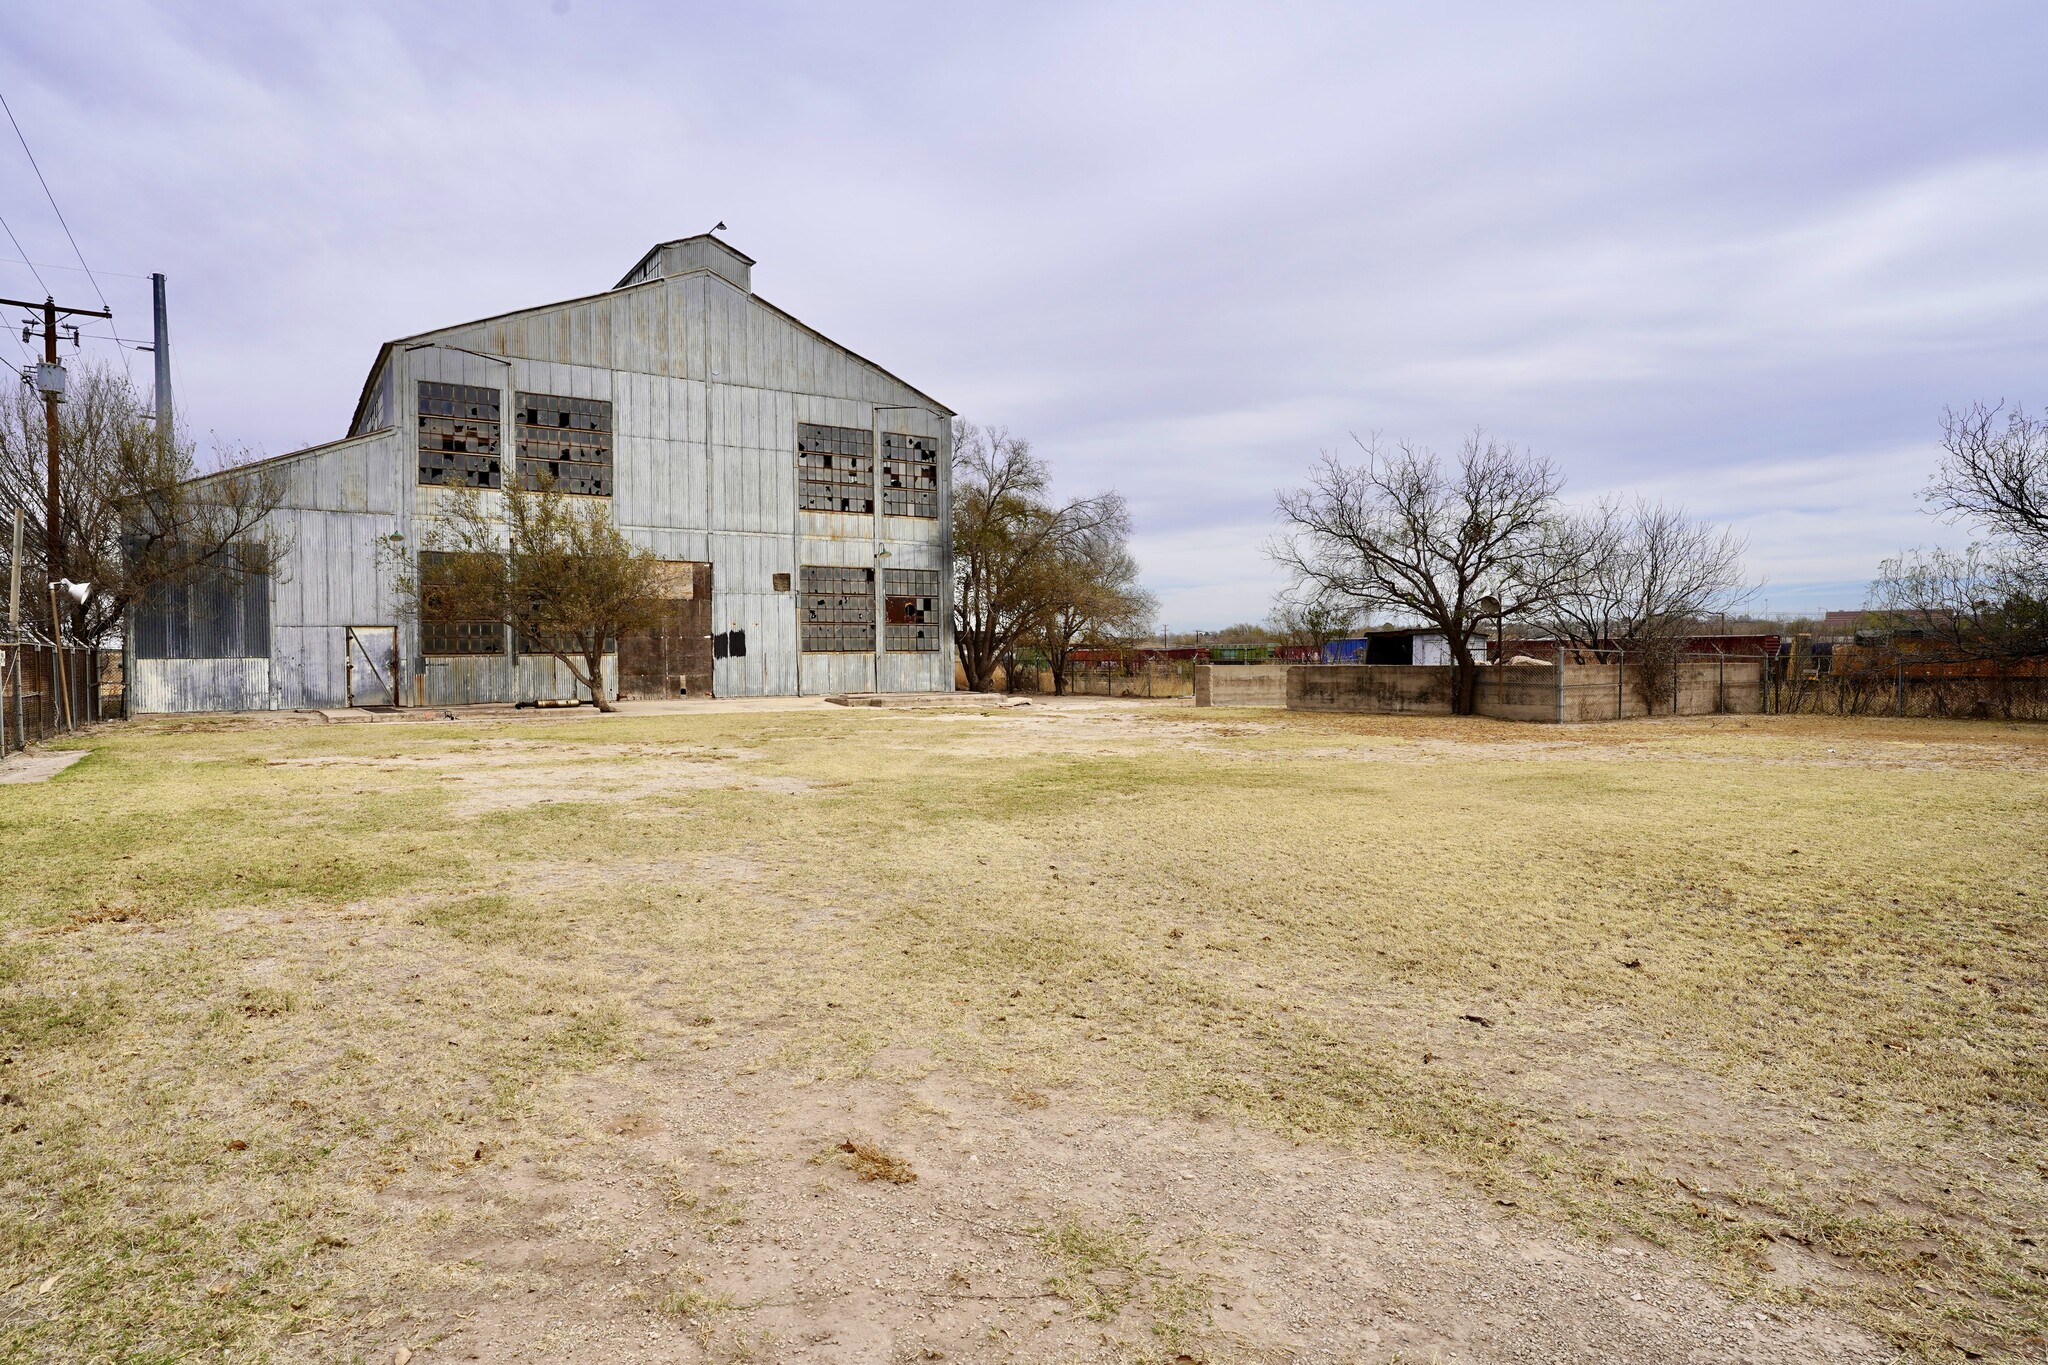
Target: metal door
{"x": 370, "y": 672}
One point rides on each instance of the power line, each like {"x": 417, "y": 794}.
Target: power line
{"x": 22, "y": 138}
{"x": 53, "y": 205}
{"x": 23, "y": 260}
{"x": 27, "y": 354}
{"x": 114, "y": 336}
{"x": 21, "y": 341}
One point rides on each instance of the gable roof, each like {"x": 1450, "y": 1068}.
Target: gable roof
{"x": 384, "y": 351}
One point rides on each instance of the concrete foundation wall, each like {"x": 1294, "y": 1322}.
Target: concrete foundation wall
{"x": 1241, "y": 684}
{"x": 1704, "y": 687}
{"x": 1527, "y": 692}
{"x": 1380, "y": 689}
{"x": 1518, "y": 692}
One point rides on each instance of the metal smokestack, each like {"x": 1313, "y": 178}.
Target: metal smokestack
{"x": 163, "y": 359}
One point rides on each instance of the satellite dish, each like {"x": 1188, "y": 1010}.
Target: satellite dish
{"x": 1489, "y": 605}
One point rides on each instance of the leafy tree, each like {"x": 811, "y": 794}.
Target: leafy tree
{"x": 554, "y": 569}
{"x": 1404, "y": 532}
{"x": 1092, "y": 596}
{"x": 1008, "y": 540}
{"x": 135, "y": 514}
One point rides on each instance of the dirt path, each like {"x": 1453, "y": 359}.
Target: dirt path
{"x": 39, "y": 766}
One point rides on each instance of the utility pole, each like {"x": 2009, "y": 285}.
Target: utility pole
{"x": 50, "y": 380}
{"x": 14, "y": 581}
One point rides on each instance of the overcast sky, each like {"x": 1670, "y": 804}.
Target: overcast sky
{"x": 1735, "y": 255}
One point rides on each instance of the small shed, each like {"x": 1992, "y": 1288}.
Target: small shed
{"x": 1390, "y": 645}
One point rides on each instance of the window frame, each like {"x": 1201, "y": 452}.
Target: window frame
{"x": 436, "y": 415}
{"x": 907, "y": 456}
{"x": 831, "y": 619}
{"x": 923, "y": 627}
{"x": 823, "y": 483}
{"x": 590, "y": 431}
{"x": 452, "y": 639}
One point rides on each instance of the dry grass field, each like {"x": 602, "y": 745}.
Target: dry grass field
{"x": 1101, "y": 1031}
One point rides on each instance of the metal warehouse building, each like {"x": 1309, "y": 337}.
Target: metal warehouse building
{"x": 798, "y": 494}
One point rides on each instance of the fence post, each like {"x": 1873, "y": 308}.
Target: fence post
{"x": 1899, "y": 706}
{"x": 1621, "y": 684}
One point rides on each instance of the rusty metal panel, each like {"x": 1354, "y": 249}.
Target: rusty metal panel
{"x": 675, "y": 657}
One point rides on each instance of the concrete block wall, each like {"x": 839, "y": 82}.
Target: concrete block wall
{"x": 1241, "y": 684}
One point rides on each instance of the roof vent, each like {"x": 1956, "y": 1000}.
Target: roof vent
{"x": 702, "y": 252}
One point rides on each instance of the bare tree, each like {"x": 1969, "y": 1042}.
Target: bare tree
{"x": 1635, "y": 569}
{"x": 1989, "y": 601}
{"x": 1640, "y": 576}
{"x": 1994, "y": 471}
{"x": 1093, "y": 596}
{"x": 1007, "y": 535}
{"x": 1403, "y": 532}
{"x": 135, "y": 514}
{"x": 554, "y": 569}
{"x": 1245, "y": 633}
{"x": 1312, "y": 618}
{"x": 1984, "y": 602}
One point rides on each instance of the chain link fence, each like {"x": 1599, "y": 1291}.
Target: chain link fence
{"x": 47, "y": 691}
{"x": 1869, "y": 682}
{"x": 1160, "y": 678}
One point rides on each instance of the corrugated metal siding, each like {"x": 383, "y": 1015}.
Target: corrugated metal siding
{"x": 462, "y": 680}
{"x": 743, "y": 569}
{"x": 220, "y": 614}
{"x": 707, "y": 386}
{"x": 178, "y": 685}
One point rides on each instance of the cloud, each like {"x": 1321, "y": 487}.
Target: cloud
{"x": 1738, "y": 255}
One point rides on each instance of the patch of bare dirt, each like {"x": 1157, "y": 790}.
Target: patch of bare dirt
{"x": 504, "y": 775}
{"x": 715, "y": 1214}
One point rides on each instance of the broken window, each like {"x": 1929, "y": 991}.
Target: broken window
{"x": 910, "y": 475}
{"x": 838, "y": 610}
{"x": 911, "y": 609}
{"x": 442, "y": 631}
{"x": 458, "y": 436}
{"x": 565, "y": 444}
{"x": 835, "y": 469}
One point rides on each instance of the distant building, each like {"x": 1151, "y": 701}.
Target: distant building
{"x": 1731, "y": 646}
{"x": 1390, "y": 645}
{"x": 798, "y": 494}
